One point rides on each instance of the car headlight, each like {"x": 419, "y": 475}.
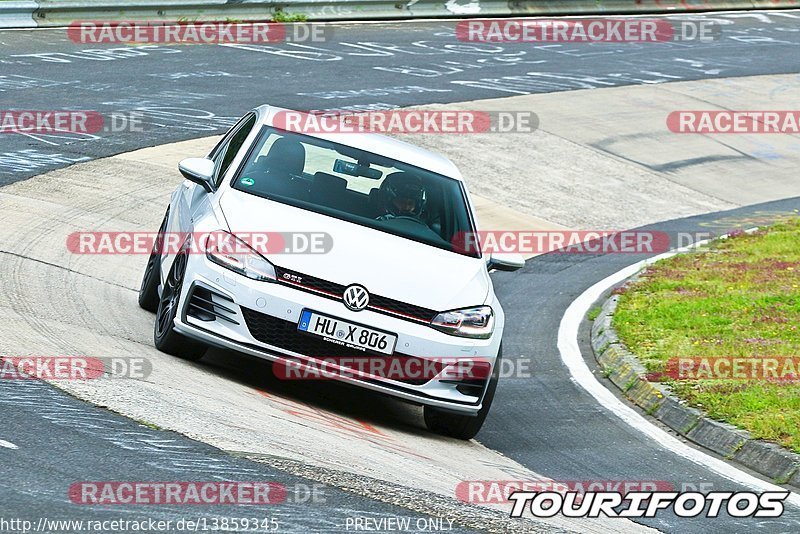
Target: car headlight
{"x": 229, "y": 251}
{"x": 475, "y": 322}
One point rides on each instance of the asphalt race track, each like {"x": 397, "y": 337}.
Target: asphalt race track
{"x": 197, "y": 90}
{"x": 68, "y": 440}
{"x": 547, "y": 425}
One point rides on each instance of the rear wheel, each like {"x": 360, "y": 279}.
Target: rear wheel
{"x": 463, "y": 426}
{"x": 148, "y": 292}
{"x": 164, "y": 335}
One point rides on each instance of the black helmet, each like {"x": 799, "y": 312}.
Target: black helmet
{"x": 401, "y": 186}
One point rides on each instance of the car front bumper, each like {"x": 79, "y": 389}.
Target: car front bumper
{"x": 235, "y": 299}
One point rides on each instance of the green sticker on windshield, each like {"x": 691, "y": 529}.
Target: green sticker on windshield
{"x": 247, "y": 181}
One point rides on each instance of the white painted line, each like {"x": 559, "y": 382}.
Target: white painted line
{"x": 573, "y": 359}
{"x": 7, "y": 444}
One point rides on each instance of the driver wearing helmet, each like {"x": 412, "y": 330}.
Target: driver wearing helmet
{"x": 404, "y": 195}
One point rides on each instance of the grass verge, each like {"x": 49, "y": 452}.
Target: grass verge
{"x": 739, "y": 297}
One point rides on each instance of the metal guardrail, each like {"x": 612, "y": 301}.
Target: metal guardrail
{"x": 17, "y": 14}
{"x": 63, "y": 12}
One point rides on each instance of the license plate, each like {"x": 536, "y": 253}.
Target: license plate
{"x": 346, "y": 334}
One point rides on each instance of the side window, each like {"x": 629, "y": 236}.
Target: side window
{"x": 225, "y": 138}
{"x": 224, "y": 154}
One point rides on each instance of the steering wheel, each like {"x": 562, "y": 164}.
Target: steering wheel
{"x": 410, "y": 218}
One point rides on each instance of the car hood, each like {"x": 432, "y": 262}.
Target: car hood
{"x": 387, "y": 265}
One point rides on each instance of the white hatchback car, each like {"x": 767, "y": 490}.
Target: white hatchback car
{"x": 391, "y": 286}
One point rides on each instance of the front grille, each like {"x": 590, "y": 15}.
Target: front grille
{"x": 335, "y": 291}
{"x": 380, "y": 304}
{"x": 284, "y": 334}
{"x": 307, "y": 282}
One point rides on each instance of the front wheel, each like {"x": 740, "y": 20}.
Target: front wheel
{"x": 164, "y": 335}
{"x": 148, "y": 291}
{"x": 463, "y": 426}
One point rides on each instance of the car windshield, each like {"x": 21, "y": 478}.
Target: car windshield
{"x": 357, "y": 186}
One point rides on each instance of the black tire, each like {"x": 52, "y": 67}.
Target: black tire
{"x": 148, "y": 291}
{"x": 463, "y": 426}
{"x": 164, "y": 335}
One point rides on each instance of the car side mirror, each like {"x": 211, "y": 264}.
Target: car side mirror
{"x": 199, "y": 171}
{"x": 510, "y": 261}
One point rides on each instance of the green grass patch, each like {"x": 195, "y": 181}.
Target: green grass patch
{"x": 282, "y": 16}
{"x": 739, "y": 297}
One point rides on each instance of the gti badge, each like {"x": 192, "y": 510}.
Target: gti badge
{"x": 355, "y": 297}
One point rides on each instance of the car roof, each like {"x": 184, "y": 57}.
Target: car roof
{"x": 378, "y": 144}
